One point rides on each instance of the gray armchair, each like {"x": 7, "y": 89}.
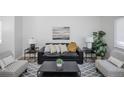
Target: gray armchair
{"x": 108, "y": 69}
{"x": 15, "y": 69}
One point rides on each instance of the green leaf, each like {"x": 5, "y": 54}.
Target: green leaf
{"x": 99, "y": 44}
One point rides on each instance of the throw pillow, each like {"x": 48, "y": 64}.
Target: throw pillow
{"x": 52, "y": 49}
{"x": 63, "y": 48}
{"x": 47, "y": 48}
{"x": 2, "y": 65}
{"x": 8, "y": 60}
{"x": 72, "y": 47}
{"x": 116, "y": 62}
{"x": 57, "y": 48}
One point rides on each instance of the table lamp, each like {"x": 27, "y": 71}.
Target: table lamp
{"x": 32, "y": 42}
{"x": 89, "y": 41}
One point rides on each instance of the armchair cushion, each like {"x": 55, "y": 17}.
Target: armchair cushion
{"x": 116, "y": 62}
{"x": 8, "y": 60}
{"x": 2, "y": 65}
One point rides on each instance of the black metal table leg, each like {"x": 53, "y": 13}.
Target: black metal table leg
{"x": 39, "y": 73}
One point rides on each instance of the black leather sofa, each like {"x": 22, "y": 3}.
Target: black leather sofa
{"x": 77, "y": 56}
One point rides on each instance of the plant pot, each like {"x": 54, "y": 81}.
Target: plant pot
{"x": 59, "y": 65}
{"x": 99, "y": 57}
{"x": 59, "y": 62}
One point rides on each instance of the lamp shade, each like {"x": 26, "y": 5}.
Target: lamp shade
{"x": 32, "y": 41}
{"x": 89, "y": 40}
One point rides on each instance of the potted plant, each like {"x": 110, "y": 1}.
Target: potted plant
{"x": 99, "y": 44}
{"x": 59, "y": 62}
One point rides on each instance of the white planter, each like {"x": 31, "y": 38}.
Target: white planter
{"x": 59, "y": 65}
{"x": 99, "y": 57}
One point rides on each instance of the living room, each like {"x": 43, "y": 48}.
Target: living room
{"x": 18, "y": 31}
{"x": 61, "y": 46}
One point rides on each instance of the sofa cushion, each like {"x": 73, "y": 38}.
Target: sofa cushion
{"x": 69, "y": 54}
{"x": 8, "y": 60}
{"x": 115, "y": 61}
{"x": 47, "y": 54}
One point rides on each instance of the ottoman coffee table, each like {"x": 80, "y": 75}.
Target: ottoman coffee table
{"x": 68, "y": 69}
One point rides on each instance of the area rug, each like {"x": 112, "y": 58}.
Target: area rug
{"x": 87, "y": 70}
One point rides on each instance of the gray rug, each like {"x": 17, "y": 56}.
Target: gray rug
{"x": 87, "y": 70}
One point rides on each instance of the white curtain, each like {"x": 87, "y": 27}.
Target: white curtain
{"x": 119, "y": 33}
{"x": 0, "y": 31}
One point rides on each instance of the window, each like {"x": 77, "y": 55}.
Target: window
{"x": 0, "y": 32}
{"x": 119, "y": 33}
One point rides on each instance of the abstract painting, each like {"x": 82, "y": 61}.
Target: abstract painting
{"x": 61, "y": 33}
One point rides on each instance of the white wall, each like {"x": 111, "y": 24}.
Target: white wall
{"x": 8, "y": 28}
{"x": 17, "y": 30}
{"x": 18, "y": 37}
{"x": 41, "y": 28}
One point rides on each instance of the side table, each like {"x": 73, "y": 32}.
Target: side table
{"x": 88, "y": 51}
{"x": 31, "y": 52}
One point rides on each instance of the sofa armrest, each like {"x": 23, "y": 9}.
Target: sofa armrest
{"x": 80, "y": 53}
{"x": 40, "y": 55}
{"x": 42, "y": 50}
